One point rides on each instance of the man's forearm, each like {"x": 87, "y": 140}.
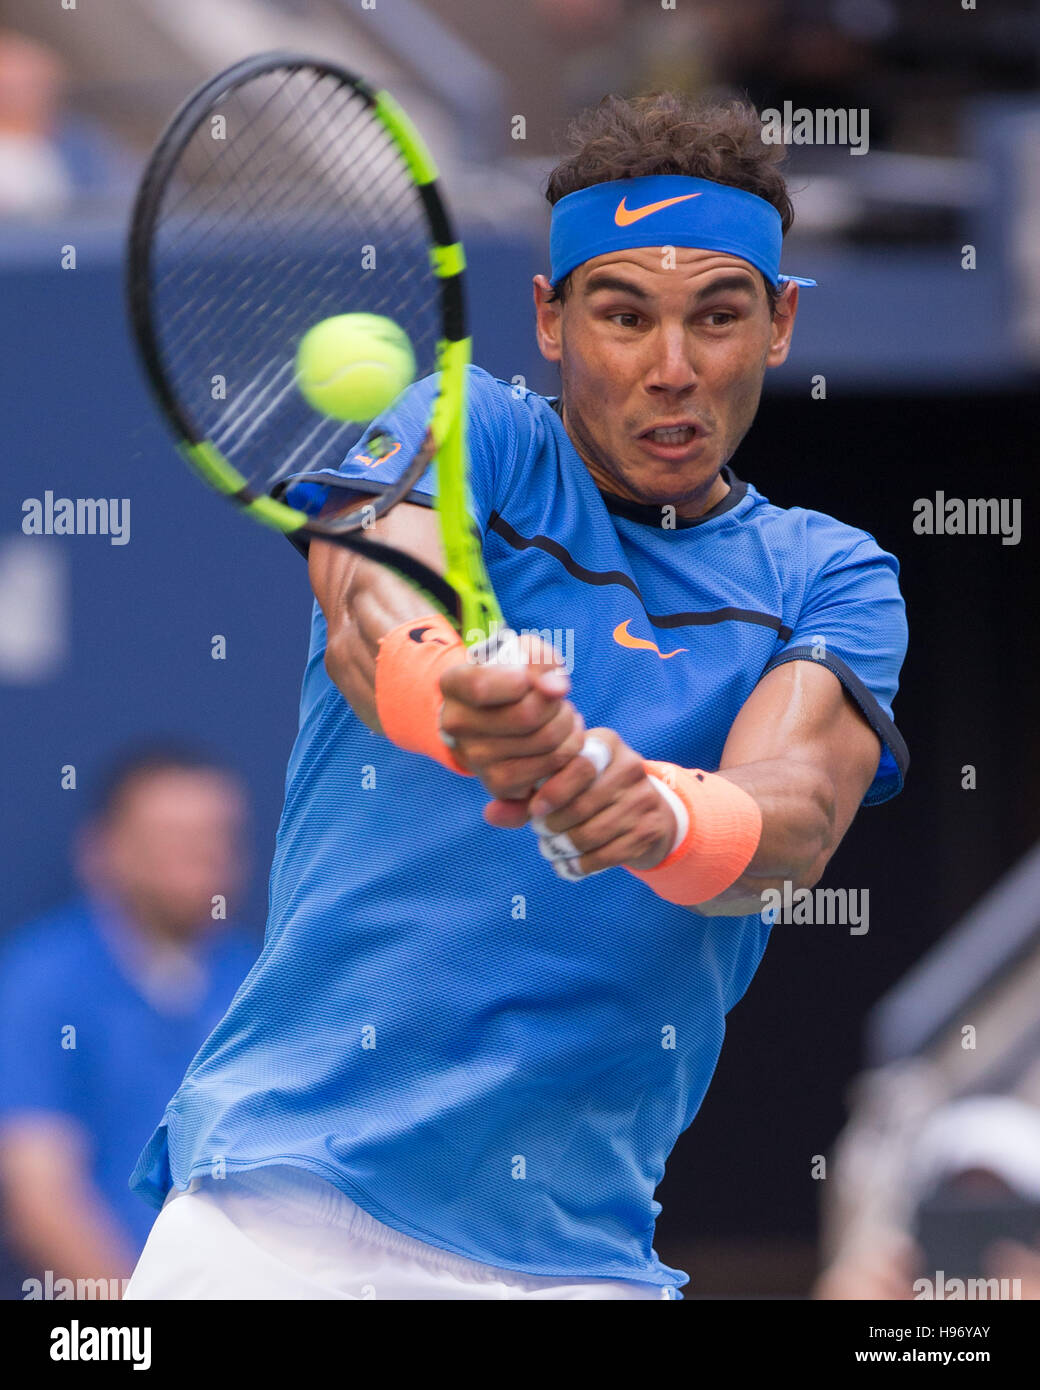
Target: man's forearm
{"x": 55, "y": 1215}
{"x": 71, "y": 1233}
{"x": 376, "y": 602}
{"x": 362, "y": 601}
{"x": 798, "y": 805}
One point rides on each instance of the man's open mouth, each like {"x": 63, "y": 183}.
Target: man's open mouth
{"x": 671, "y": 434}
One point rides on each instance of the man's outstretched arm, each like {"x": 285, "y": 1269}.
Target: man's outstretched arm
{"x": 512, "y": 726}
{"x": 799, "y": 748}
{"x": 803, "y": 750}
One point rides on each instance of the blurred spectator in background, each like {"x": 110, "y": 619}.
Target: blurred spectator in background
{"x": 48, "y": 156}
{"x": 971, "y": 1190}
{"x": 104, "y": 1002}
{"x": 33, "y": 176}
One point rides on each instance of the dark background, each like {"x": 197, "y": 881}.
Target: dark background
{"x": 740, "y": 1176}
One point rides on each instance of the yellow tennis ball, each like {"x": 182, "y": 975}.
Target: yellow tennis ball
{"x": 352, "y": 366}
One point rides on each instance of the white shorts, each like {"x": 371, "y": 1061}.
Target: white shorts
{"x": 283, "y": 1233}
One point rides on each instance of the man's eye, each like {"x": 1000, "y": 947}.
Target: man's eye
{"x": 724, "y": 315}
{"x": 626, "y": 319}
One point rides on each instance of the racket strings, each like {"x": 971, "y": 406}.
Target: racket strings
{"x": 252, "y": 206}
{"x": 375, "y": 133}
{"x": 243, "y": 180}
{"x": 260, "y": 236}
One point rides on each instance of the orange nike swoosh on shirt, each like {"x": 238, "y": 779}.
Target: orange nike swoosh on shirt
{"x": 624, "y": 638}
{"x": 624, "y": 217}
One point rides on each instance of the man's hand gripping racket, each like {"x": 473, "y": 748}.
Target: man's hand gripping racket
{"x": 535, "y": 716}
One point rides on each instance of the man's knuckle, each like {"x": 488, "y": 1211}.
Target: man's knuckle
{"x": 560, "y": 723}
{"x": 529, "y": 717}
{"x": 452, "y": 681}
{"x": 497, "y": 781}
{"x": 477, "y": 752}
{"x": 647, "y": 840}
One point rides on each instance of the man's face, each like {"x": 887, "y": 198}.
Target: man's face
{"x": 171, "y": 842}
{"x": 643, "y": 347}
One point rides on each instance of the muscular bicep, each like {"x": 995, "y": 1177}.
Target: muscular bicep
{"x": 800, "y": 713}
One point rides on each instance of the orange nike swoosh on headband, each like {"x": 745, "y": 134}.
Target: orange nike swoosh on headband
{"x": 624, "y": 217}
{"x": 624, "y": 638}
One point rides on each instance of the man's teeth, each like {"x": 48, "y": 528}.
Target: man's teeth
{"x": 681, "y": 435}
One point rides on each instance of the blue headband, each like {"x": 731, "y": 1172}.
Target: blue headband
{"x": 666, "y": 210}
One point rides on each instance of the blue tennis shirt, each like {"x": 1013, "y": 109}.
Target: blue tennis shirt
{"x": 480, "y": 1054}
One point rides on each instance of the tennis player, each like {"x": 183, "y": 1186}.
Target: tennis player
{"x": 460, "y": 1064}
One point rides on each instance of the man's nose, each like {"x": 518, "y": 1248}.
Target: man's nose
{"x": 671, "y": 369}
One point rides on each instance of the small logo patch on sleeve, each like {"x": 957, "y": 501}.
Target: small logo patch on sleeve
{"x": 380, "y": 448}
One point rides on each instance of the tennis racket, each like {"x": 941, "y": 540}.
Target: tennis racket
{"x": 283, "y": 192}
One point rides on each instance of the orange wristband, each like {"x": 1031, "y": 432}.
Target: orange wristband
{"x": 411, "y": 660}
{"x": 720, "y": 841}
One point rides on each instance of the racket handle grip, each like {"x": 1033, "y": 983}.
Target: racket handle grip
{"x": 502, "y": 648}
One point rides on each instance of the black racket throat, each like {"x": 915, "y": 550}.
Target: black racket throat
{"x": 409, "y": 568}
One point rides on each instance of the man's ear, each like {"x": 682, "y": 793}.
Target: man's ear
{"x": 782, "y": 326}
{"x": 547, "y": 319}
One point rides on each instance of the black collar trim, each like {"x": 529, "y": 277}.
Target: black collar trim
{"x": 603, "y": 578}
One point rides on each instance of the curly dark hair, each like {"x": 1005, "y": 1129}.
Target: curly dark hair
{"x": 668, "y": 133}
